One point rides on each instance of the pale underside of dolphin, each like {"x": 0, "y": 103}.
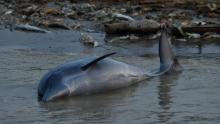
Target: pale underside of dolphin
{"x": 100, "y": 74}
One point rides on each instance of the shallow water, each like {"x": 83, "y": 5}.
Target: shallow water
{"x": 189, "y": 97}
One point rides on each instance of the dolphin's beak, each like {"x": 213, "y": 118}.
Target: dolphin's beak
{"x": 55, "y": 93}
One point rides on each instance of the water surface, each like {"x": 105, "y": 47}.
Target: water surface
{"x": 189, "y": 97}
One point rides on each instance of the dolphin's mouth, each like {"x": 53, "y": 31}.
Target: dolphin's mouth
{"x": 40, "y": 96}
{"x": 54, "y": 93}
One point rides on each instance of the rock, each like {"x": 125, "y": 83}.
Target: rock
{"x": 99, "y": 14}
{"x": 76, "y": 26}
{"x": 55, "y": 24}
{"x": 3, "y": 9}
{"x": 146, "y": 23}
{"x": 88, "y": 39}
{"x": 87, "y": 7}
{"x": 72, "y": 15}
{"x": 84, "y": 7}
{"x": 182, "y": 40}
{"x": 30, "y": 9}
{"x": 52, "y": 11}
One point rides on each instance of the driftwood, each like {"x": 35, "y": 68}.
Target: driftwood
{"x": 137, "y": 27}
{"x": 198, "y": 29}
{"x": 128, "y": 28}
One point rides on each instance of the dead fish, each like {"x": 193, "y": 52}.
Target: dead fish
{"x": 122, "y": 17}
{"x": 209, "y": 35}
{"x": 27, "y": 27}
{"x": 155, "y": 36}
{"x": 88, "y": 39}
{"x": 193, "y": 35}
{"x": 212, "y": 6}
{"x": 8, "y": 12}
{"x": 182, "y": 40}
{"x": 198, "y": 22}
{"x": 126, "y": 37}
{"x": 188, "y": 35}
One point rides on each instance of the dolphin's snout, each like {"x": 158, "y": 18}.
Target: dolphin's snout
{"x": 55, "y": 93}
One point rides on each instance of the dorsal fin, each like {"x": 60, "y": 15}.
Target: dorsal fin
{"x": 84, "y": 67}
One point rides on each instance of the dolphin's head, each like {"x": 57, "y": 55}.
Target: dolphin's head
{"x": 52, "y": 87}
{"x": 62, "y": 81}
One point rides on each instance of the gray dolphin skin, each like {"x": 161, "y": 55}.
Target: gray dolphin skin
{"x": 100, "y": 74}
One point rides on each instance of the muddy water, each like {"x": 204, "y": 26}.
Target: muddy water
{"x": 189, "y": 97}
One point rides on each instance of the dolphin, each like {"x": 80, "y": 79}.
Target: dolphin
{"x": 92, "y": 75}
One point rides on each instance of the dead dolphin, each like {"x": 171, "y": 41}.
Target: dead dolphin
{"x": 99, "y": 74}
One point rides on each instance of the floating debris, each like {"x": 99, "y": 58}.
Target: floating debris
{"x": 27, "y": 27}
{"x": 88, "y": 39}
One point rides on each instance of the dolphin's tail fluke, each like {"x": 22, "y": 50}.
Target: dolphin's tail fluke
{"x": 168, "y": 62}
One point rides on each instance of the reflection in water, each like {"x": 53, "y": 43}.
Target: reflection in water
{"x": 84, "y": 109}
{"x": 199, "y": 47}
{"x": 165, "y": 97}
{"x": 89, "y": 109}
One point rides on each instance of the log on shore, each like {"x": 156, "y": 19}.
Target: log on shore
{"x": 126, "y": 28}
